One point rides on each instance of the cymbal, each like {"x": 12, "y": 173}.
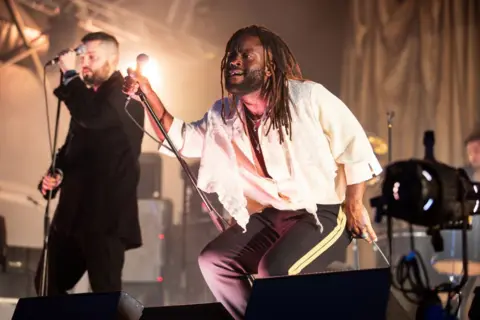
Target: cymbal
{"x": 379, "y": 145}
{"x": 374, "y": 181}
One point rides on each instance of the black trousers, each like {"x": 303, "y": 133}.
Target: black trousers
{"x": 69, "y": 256}
{"x": 276, "y": 243}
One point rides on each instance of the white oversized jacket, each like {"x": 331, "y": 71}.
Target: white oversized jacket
{"x": 328, "y": 150}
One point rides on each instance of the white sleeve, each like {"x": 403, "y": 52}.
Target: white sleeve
{"x": 188, "y": 138}
{"x": 348, "y": 141}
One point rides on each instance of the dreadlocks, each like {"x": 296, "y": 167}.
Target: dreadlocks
{"x": 280, "y": 61}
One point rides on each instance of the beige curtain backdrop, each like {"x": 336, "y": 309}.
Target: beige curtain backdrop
{"x": 419, "y": 58}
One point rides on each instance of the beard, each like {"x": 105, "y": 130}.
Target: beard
{"x": 98, "y": 76}
{"x": 252, "y": 81}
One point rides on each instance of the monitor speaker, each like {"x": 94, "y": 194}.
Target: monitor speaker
{"x": 206, "y": 311}
{"x": 85, "y": 306}
{"x": 359, "y": 295}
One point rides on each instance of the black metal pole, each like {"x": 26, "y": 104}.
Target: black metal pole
{"x": 217, "y": 219}
{"x": 46, "y": 219}
{"x": 390, "y": 116}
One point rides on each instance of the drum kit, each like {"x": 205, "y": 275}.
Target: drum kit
{"x": 445, "y": 266}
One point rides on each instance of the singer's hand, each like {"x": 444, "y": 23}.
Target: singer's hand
{"x": 50, "y": 182}
{"x": 358, "y": 221}
{"x": 67, "y": 61}
{"x": 135, "y": 81}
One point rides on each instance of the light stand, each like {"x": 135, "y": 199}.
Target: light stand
{"x": 390, "y": 115}
{"x": 46, "y": 219}
{"x": 435, "y": 196}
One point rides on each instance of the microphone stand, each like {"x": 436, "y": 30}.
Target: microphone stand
{"x": 217, "y": 219}
{"x": 46, "y": 220}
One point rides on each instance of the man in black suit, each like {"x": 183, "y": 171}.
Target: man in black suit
{"x": 97, "y": 170}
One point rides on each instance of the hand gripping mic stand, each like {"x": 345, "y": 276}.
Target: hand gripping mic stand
{"x": 46, "y": 220}
{"x": 217, "y": 219}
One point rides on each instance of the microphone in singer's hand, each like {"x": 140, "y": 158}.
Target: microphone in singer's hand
{"x": 142, "y": 60}
{"x": 81, "y": 49}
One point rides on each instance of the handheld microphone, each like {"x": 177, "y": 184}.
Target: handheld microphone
{"x": 81, "y": 49}
{"x": 142, "y": 60}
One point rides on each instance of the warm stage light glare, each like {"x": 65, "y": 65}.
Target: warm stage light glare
{"x": 35, "y": 36}
{"x": 150, "y": 70}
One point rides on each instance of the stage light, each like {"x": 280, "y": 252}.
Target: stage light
{"x": 35, "y": 36}
{"x": 151, "y": 70}
{"x": 428, "y": 193}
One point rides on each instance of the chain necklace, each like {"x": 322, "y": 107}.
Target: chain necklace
{"x": 255, "y": 124}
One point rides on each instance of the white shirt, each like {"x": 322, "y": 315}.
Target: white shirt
{"x": 328, "y": 150}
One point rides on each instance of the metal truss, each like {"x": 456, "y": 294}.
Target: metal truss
{"x": 30, "y": 48}
{"x": 130, "y": 26}
{"x": 170, "y": 36}
{"x": 47, "y": 7}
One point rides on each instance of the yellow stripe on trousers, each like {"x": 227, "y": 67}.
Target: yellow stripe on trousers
{"x": 321, "y": 247}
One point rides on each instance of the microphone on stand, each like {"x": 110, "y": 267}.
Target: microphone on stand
{"x": 81, "y": 49}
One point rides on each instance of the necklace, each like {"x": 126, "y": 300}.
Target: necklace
{"x": 255, "y": 122}
{"x": 256, "y": 142}
{"x": 253, "y": 130}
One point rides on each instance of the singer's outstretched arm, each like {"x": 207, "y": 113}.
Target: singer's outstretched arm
{"x": 187, "y": 137}
{"x": 166, "y": 119}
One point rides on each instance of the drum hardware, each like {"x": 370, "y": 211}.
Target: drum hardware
{"x": 380, "y": 147}
{"x": 450, "y": 260}
{"x": 401, "y": 243}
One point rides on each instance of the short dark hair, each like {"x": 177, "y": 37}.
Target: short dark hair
{"x": 473, "y": 136}
{"x": 102, "y": 36}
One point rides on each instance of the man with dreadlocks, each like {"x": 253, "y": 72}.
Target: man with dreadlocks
{"x": 287, "y": 159}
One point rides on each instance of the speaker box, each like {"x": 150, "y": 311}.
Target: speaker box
{"x": 194, "y": 209}
{"x": 183, "y": 281}
{"x": 359, "y": 295}
{"x": 144, "y": 264}
{"x": 85, "y": 306}
{"x": 150, "y": 183}
{"x": 143, "y": 271}
{"x": 210, "y": 311}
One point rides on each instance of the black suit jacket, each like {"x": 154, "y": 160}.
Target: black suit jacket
{"x": 100, "y": 162}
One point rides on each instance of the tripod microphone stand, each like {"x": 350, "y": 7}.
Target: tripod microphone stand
{"x": 46, "y": 219}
